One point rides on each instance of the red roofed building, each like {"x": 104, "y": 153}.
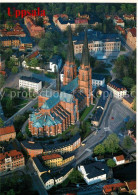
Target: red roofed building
{"x": 131, "y": 185}
{"x": 81, "y": 21}
{"x": 11, "y": 160}
{"x": 35, "y": 31}
{"x": 34, "y": 54}
{"x": 120, "y": 187}
{"x": 7, "y": 133}
{"x": 120, "y": 30}
{"x": 16, "y": 31}
{"x": 129, "y": 17}
{"x": 119, "y": 160}
{"x": 131, "y": 38}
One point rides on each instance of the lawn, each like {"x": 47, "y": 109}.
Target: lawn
{"x": 51, "y": 75}
{"x": 85, "y": 112}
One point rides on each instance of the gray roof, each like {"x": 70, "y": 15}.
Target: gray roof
{"x": 26, "y": 40}
{"x": 55, "y": 59}
{"x": 128, "y": 98}
{"x": 46, "y": 177}
{"x": 97, "y": 77}
{"x": 30, "y": 79}
{"x": 30, "y": 145}
{"x": 39, "y": 165}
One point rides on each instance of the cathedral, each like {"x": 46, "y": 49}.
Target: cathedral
{"x": 60, "y": 108}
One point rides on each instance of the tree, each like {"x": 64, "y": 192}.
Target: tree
{"x": 20, "y": 136}
{"x": 111, "y": 163}
{"x": 130, "y": 124}
{"x": 2, "y": 80}
{"x": 127, "y": 142}
{"x": 99, "y": 149}
{"x": 33, "y": 62}
{"x": 11, "y": 192}
{"x": 111, "y": 144}
{"x": 1, "y": 123}
{"x": 11, "y": 63}
{"x": 128, "y": 82}
{"x": 14, "y": 69}
{"x": 133, "y": 91}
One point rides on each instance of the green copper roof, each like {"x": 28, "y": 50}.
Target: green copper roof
{"x": 51, "y": 102}
{"x": 66, "y": 97}
{"x": 71, "y": 86}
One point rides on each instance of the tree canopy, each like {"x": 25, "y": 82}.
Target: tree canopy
{"x": 111, "y": 163}
{"x": 99, "y": 149}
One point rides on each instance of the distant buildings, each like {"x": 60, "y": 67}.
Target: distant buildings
{"x": 120, "y": 30}
{"x": 97, "y": 80}
{"x": 128, "y": 101}
{"x": 30, "y": 83}
{"x": 118, "y": 21}
{"x": 55, "y": 63}
{"x": 131, "y": 38}
{"x": 7, "y": 133}
{"x": 16, "y": 31}
{"x": 98, "y": 43}
{"x": 118, "y": 90}
{"x": 119, "y": 160}
{"x": 121, "y": 188}
{"x": 10, "y": 41}
{"x": 94, "y": 172}
{"x": 129, "y": 17}
{"x": 11, "y": 160}
{"x": 35, "y": 31}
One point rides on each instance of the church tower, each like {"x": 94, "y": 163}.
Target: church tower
{"x": 70, "y": 70}
{"x": 85, "y": 73}
{"x": 58, "y": 83}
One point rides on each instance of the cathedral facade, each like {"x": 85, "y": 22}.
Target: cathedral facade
{"x": 61, "y": 108}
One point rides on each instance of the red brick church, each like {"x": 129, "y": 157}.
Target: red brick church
{"x": 59, "y": 109}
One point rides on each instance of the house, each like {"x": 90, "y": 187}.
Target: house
{"x": 32, "y": 148}
{"x": 128, "y": 101}
{"x": 97, "y": 80}
{"x": 55, "y": 63}
{"x": 125, "y": 187}
{"x": 101, "y": 107}
{"x": 16, "y": 31}
{"x": 11, "y": 160}
{"x": 47, "y": 180}
{"x": 30, "y": 83}
{"x": 131, "y": 38}
{"x": 120, "y": 22}
{"x": 26, "y": 42}
{"x": 10, "y": 41}
{"x": 94, "y": 172}
{"x": 81, "y": 21}
{"x": 117, "y": 89}
{"x": 39, "y": 167}
{"x": 34, "y": 54}
{"x": 7, "y": 133}
{"x": 129, "y": 17}
{"x": 120, "y": 30}
{"x": 119, "y": 160}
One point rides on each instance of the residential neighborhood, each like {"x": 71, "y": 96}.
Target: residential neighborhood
{"x": 68, "y": 98}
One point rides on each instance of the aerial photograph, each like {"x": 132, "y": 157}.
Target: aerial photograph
{"x": 68, "y": 98}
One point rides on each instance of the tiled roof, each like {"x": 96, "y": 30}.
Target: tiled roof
{"x": 71, "y": 86}
{"x": 131, "y": 185}
{"x": 46, "y": 177}
{"x": 133, "y": 32}
{"x": 13, "y": 153}
{"x": 116, "y": 85}
{"x": 66, "y": 97}
{"x": 39, "y": 165}
{"x": 34, "y": 54}
{"x": 7, "y": 130}
{"x": 51, "y": 102}
{"x": 119, "y": 158}
{"x": 51, "y": 156}
{"x": 113, "y": 187}
{"x": 31, "y": 145}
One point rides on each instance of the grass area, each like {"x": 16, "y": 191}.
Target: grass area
{"x": 51, "y": 75}
{"x": 86, "y": 112}
{"x": 35, "y": 71}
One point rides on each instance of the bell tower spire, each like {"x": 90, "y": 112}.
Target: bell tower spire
{"x": 85, "y": 73}
{"x": 70, "y": 70}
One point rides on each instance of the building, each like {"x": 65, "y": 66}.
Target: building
{"x": 97, "y": 80}
{"x": 120, "y": 30}
{"x": 129, "y": 17}
{"x": 131, "y": 38}
{"x": 55, "y": 160}
{"x": 94, "y": 172}
{"x": 121, "y": 188}
{"x": 117, "y": 89}
{"x": 39, "y": 166}
{"x": 26, "y": 42}
{"x": 10, "y": 41}
{"x": 47, "y": 180}
{"x": 119, "y": 160}
{"x": 32, "y": 148}
{"x": 34, "y": 30}
{"x": 11, "y": 160}
{"x": 34, "y": 54}
{"x": 55, "y": 63}
{"x": 101, "y": 107}
{"x": 118, "y": 21}
{"x": 63, "y": 147}
{"x": 128, "y": 101}
{"x": 59, "y": 109}
{"x": 16, "y": 31}
{"x": 98, "y": 43}
{"x": 18, "y": 56}
{"x": 108, "y": 17}
{"x": 30, "y": 83}
{"x": 7, "y": 133}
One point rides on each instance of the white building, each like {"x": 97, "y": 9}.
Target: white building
{"x": 118, "y": 90}
{"x": 55, "y": 63}
{"x": 98, "y": 80}
{"x": 30, "y": 83}
{"x": 119, "y": 160}
{"x": 94, "y": 172}
{"x": 47, "y": 180}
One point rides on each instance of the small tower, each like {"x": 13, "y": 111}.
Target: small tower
{"x": 70, "y": 70}
{"x": 85, "y": 73}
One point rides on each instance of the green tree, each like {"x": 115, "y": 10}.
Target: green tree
{"x": 111, "y": 144}
{"x": 1, "y": 122}
{"x": 127, "y": 142}
{"x": 130, "y": 124}
{"x": 33, "y": 62}
{"x": 128, "y": 82}
{"x": 11, "y": 63}
{"x": 14, "y": 69}
{"x": 99, "y": 149}
{"x": 133, "y": 91}
{"x": 20, "y": 136}
{"x": 134, "y": 104}
{"x": 111, "y": 163}
{"x": 2, "y": 80}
